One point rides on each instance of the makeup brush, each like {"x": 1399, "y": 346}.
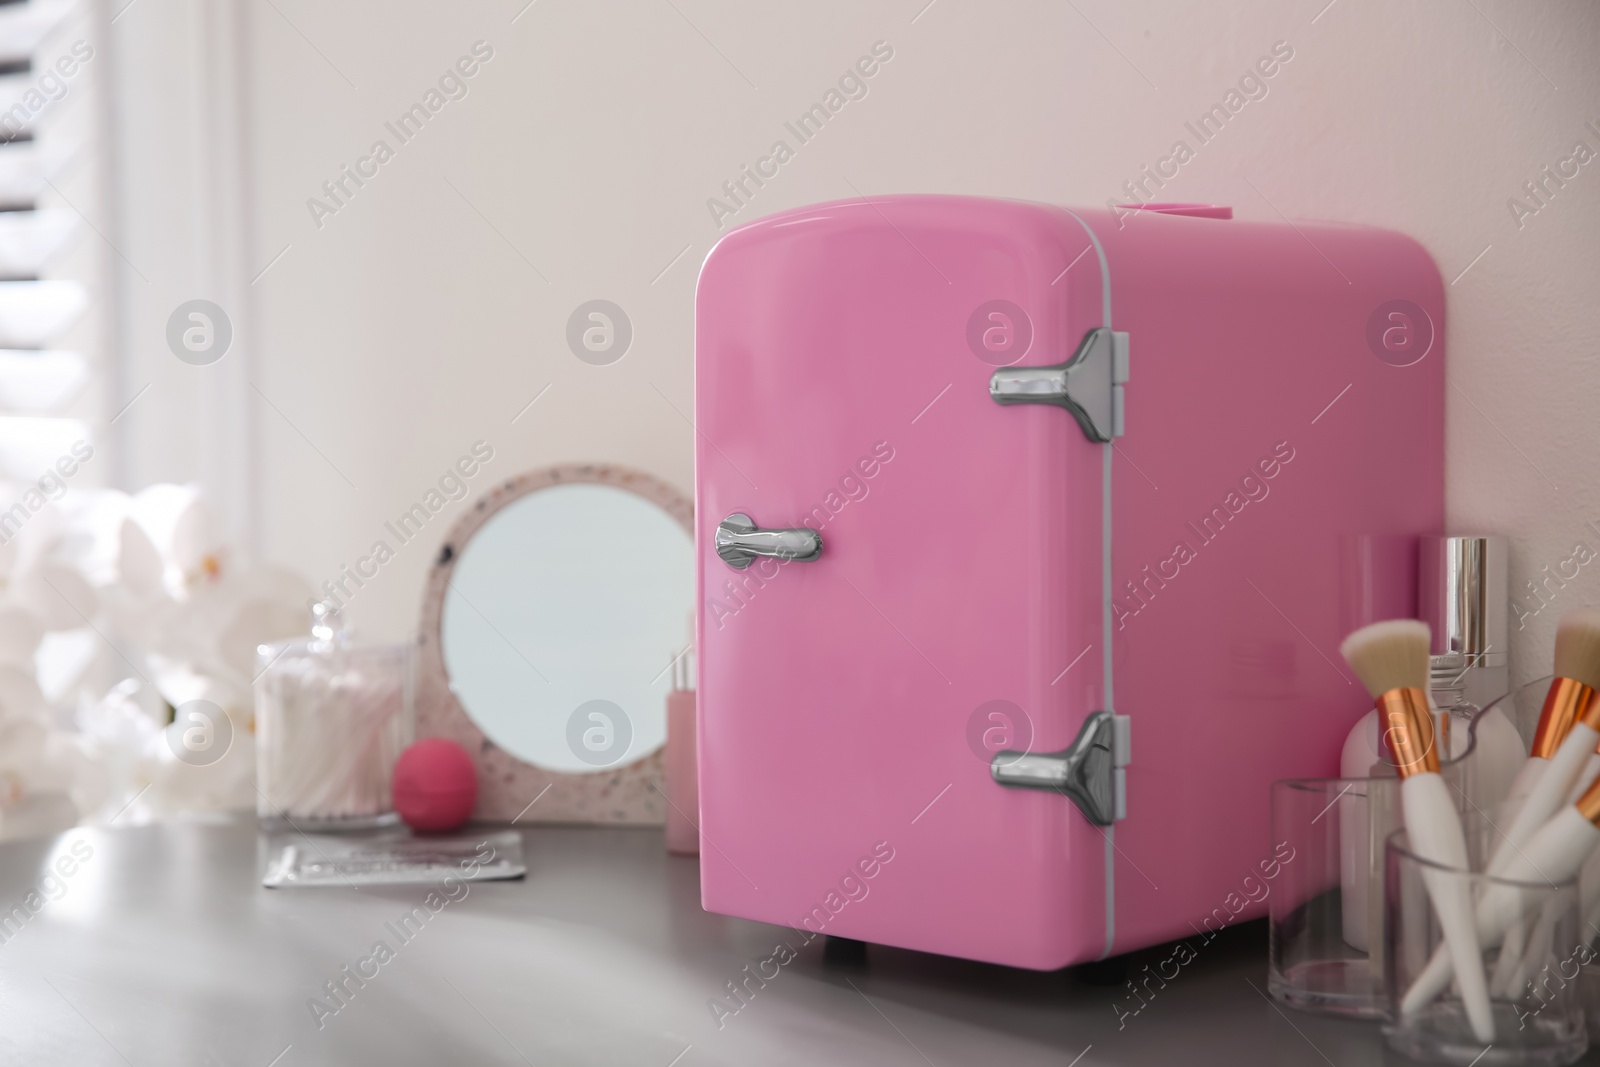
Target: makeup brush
{"x": 1555, "y": 853}
{"x": 1391, "y": 659}
{"x": 1568, "y": 731}
{"x": 1591, "y": 771}
{"x": 1509, "y": 972}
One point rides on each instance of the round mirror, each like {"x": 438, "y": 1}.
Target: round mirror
{"x": 562, "y": 616}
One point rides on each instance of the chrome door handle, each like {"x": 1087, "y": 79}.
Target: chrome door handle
{"x": 1089, "y": 385}
{"x": 739, "y": 542}
{"x": 1086, "y": 773}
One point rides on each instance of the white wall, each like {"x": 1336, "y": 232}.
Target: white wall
{"x": 411, "y": 324}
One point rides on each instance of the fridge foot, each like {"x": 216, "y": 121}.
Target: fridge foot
{"x": 843, "y": 951}
{"x": 1111, "y": 971}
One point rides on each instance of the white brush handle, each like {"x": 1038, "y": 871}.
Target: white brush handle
{"x": 1546, "y": 797}
{"x": 1434, "y": 829}
{"x": 1591, "y": 771}
{"x": 1512, "y": 948}
{"x": 1516, "y": 938}
{"x": 1433, "y": 980}
{"x": 1436, "y": 975}
{"x": 1527, "y": 958}
{"x": 1553, "y": 855}
{"x": 1516, "y": 960}
{"x": 1527, "y": 777}
{"x": 1510, "y": 813}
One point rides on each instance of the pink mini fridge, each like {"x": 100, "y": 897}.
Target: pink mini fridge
{"x": 1026, "y": 540}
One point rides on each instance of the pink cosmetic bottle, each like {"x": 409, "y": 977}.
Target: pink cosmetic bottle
{"x": 683, "y": 779}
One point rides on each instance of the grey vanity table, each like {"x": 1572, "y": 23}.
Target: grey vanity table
{"x": 163, "y": 949}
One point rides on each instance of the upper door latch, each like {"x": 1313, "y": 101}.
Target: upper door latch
{"x": 1089, "y": 385}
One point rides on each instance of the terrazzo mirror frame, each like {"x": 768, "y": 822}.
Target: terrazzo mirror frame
{"x": 510, "y": 789}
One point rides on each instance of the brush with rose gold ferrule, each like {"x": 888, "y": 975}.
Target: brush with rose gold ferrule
{"x": 1552, "y": 855}
{"x": 1568, "y": 732}
{"x": 1391, "y": 659}
{"x": 1408, "y": 730}
{"x": 1515, "y": 956}
{"x": 1565, "y": 705}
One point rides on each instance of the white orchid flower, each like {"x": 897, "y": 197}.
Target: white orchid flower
{"x": 148, "y": 587}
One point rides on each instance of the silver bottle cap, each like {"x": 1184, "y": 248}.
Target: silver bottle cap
{"x": 1461, "y": 594}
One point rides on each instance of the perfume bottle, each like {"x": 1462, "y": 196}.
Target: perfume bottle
{"x": 1486, "y": 774}
{"x": 682, "y": 770}
{"x": 1462, "y": 588}
{"x": 1462, "y": 594}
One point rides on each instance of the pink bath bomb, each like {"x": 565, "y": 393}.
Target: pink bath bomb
{"x": 435, "y": 785}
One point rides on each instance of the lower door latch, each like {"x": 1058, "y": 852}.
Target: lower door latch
{"x": 1089, "y": 772}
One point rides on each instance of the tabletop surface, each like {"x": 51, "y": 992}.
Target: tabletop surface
{"x": 162, "y": 948}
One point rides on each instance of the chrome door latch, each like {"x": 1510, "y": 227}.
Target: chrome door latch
{"x": 740, "y": 542}
{"x": 1089, "y": 772}
{"x": 1089, "y": 385}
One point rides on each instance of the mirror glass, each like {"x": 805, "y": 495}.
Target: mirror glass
{"x": 563, "y": 617}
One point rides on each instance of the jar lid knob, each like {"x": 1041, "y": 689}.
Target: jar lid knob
{"x": 327, "y": 622}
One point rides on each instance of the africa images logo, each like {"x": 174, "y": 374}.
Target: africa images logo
{"x": 200, "y": 733}
{"x": 1400, "y": 333}
{"x": 199, "y": 332}
{"x": 999, "y": 333}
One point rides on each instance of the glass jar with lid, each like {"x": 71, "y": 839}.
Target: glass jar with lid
{"x": 331, "y": 719}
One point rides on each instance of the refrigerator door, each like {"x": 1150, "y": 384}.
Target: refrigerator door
{"x": 852, "y": 695}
